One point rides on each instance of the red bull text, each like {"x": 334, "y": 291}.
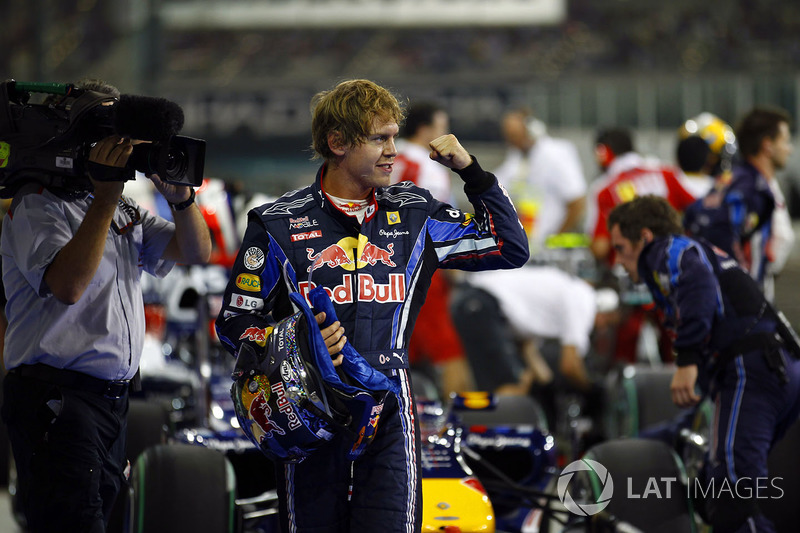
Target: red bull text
{"x": 368, "y": 289}
{"x": 284, "y": 406}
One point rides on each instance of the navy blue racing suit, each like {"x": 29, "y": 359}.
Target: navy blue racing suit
{"x": 721, "y": 323}
{"x": 377, "y": 274}
{"x": 742, "y": 227}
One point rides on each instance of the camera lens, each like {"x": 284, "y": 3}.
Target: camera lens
{"x": 177, "y": 163}
{"x": 144, "y": 158}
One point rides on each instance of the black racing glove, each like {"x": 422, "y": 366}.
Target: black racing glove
{"x": 476, "y": 180}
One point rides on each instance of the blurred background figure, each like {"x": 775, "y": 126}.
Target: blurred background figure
{"x": 766, "y": 145}
{"x": 435, "y": 346}
{"x": 426, "y": 121}
{"x": 718, "y": 135}
{"x": 746, "y": 215}
{"x": 626, "y": 174}
{"x": 544, "y": 176}
{"x": 530, "y": 331}
{"x": 694, "y": 158}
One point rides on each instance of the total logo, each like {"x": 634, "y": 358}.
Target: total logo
{"x": 343, "y": 254}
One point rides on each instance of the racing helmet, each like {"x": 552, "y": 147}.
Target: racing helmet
{"x": 287, "y": 403}
{"x": 717, "y": 133}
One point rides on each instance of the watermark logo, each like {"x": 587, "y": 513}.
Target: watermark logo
{"x": 656, "y": 488}
{"x": 585, "y": 509}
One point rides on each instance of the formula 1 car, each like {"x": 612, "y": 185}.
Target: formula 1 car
{"x": 473, "y": 441}
{"x": 500, "y": 446}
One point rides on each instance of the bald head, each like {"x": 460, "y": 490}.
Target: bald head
{"x": 515, "y": 130}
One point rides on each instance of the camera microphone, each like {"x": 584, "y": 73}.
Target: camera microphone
{"x": 147, "y": 118}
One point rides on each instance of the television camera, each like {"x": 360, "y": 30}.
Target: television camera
{"x": 49, "y": 142}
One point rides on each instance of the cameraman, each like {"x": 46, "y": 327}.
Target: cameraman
{"x": 72, "y": 264}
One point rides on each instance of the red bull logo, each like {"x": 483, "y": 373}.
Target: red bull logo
{"x": 359, "y": 440}
{"x": 256, "y": 335}
{"x": 260, "y": 413}
{"x": 367, "y": 431}
{"x": 332, "y": 256}
{"x": 372, "y": 254}
{"x": 344, "y": 253}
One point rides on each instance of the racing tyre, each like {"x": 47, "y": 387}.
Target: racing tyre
{"x": 147, "y": 426}
{"x": 182, "y": 488}
{"x": 784, "y": 464}
{"x": 641, "y": 494}
{"x": 5, "y": 445}
{"x": 638, "y": 398}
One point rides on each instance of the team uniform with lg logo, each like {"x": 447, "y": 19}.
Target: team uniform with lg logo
{"x": 376, "y": 274}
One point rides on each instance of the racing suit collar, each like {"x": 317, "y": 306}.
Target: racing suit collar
{"x": 642, "y": 266}
{"x": 328, "y": 206}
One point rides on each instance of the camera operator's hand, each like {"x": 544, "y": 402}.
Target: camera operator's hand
{"x": 191, "y": 243}
{"x": 173, "y": 194}
{"x": 112, "y": 152}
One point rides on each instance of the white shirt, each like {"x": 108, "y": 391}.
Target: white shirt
{"x": 698, "y": 185}
{"x": 542, "y": 183}
{"x": 782, "y": 239}
{"x": 103, "y": 333}
{"x": 543, "y": 302}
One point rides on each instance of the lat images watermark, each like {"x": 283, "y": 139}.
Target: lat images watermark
{"x": 585, "y": 509}
{"x": 655, "y": 488}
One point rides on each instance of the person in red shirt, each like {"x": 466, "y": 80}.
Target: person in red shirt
{"x": 626, "y": 175}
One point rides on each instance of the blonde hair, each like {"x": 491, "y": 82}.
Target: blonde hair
{"x": 350, "y": 109}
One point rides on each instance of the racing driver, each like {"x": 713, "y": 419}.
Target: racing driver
{"x": 374, "y": 247}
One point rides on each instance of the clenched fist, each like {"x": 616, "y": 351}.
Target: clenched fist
{"x": 447, "y": 151}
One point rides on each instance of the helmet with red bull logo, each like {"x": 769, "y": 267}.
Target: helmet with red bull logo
{"x": 289, "y": 400}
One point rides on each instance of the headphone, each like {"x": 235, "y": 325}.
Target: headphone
{"x": 536, "y": 128}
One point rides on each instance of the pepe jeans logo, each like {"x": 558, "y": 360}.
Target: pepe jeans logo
{"x": 394, "y": 233}
{"x": 592, "y": 467}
